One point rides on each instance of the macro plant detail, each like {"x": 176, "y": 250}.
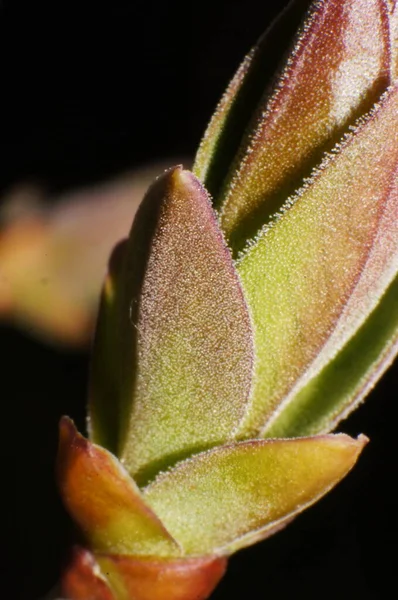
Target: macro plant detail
{"x": 252, "y": 307}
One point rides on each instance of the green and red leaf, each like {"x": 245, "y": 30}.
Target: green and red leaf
{"x": 238, "y": 494}
{"x": 364, "y": 343}
{"x": 242, "y": 96}
{"x": 338, "y": 69}
{"x": 188, "y": 368}
{"x": 345, "y": 381}
{"x": 324, "y": 263}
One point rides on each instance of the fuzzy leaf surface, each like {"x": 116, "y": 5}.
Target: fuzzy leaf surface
{"x": 375, "y": 294}
{"x": 242, "y": 96}
{"x": 105, "y": 502}
{"x": 338, "y": 69}
{"x": 192, "y": 356}
{"x": 237, "y": 494}
{"x": 328, "y": 258}
{"x": 344, "y": 382}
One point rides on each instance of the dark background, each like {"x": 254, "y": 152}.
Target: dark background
{"x": 89, "y": 91}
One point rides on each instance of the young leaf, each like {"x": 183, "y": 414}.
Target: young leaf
{"x": 190, "y": 361}
{"x": 339, "y": 68}
{"x": 379, "y": 271}
{"x": 105, "y": 502}
{"x": 232, "y": 115}
{"x": 299, "y": 275}
{"x": 332, "y": 394}
{"x": 238, "y": 493}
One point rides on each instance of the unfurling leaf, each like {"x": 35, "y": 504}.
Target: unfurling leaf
{"x": 238, "y": 493}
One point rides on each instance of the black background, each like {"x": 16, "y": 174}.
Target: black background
{"x": 90, "y": 90}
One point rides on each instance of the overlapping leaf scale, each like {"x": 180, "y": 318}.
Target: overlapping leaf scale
{"x": 240, "y": 493}
{"x": 338, "y": 69}
{"x": 192, "y": 359}
{"x": 334, "y": 241}
{"x": 105, "y": 502}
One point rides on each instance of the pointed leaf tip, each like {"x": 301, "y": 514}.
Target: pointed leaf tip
{"x": 336, "y": 72}
{"x": 191, "y": 354}
{"x": 104, "y": 501}
{"x": 238, "y": 494}
{"x": 242, "y": 96}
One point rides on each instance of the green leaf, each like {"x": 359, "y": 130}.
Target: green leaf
{"x": 230, "y": 497}
{"x": 189, "y": 352}
{"x": 326, "y": 259}
{"x": 374, "y": 342}
{"x": 105, "y": 502}
{"x": 332, "y": 394}
{"x": 338, "y": 69}
{"x": 224, "y": 133}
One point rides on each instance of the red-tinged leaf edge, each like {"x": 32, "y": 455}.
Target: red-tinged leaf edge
{"x": 256, "y": 73}
{"x": 155, "y": 579}
{"x": 115, "y": 577}
{"x": 293, "y": 127}
{"x": 82, "y": 578}
{"x": 191, "y": 351}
